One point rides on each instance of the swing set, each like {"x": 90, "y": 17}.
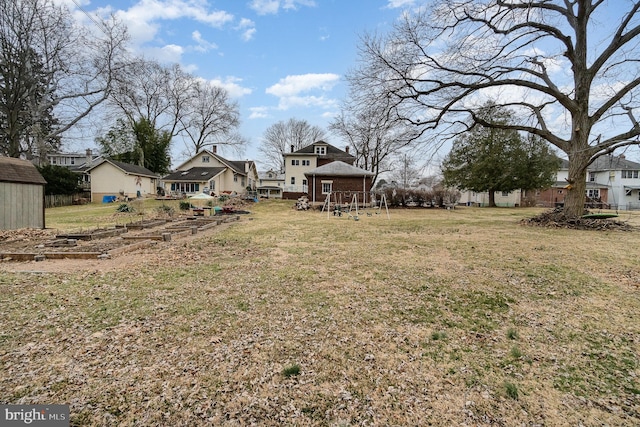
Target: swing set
{"x": 336, "y": 203}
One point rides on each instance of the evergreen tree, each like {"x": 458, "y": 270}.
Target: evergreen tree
{"x": 60, "y": 180}
{"x": 493, "y": 159}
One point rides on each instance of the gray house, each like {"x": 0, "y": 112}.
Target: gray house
{"x": 21, "y": 195}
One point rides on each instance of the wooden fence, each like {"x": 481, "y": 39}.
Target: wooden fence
{"x": 57, "y": 200}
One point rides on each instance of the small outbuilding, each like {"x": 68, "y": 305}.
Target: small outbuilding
{"x": 340, "y": 178}
{"x": 111, "y": 179}
{"x": 21, "y": 195}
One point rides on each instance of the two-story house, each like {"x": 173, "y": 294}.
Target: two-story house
{"x": 211, "y": 173}
{"x": 612, "y": 182}
{"x": 306, "y": 159}
{"x": 270, "y": 184}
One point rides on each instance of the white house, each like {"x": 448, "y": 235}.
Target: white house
{"x": 211, "y": 173}
{"x": 113, "y": 178}
{"x": 270, "y": 184}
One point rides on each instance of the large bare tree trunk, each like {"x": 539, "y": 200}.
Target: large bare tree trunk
{"x": 576, "y": 190}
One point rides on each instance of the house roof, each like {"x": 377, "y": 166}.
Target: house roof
{"x": 18, "y": 170}
{"x": 339, "y": 168}
{"x": 332, "y": 152}
{"x": 236, "y": 165}
{"x": 610, "y": 162}
{"x": 277, "y": 176}
{"x": 199, "y": 174}
{"x": 126, "y": 168}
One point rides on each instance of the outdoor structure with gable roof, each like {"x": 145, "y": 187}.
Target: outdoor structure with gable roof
{"x": 113, "y": 179}
{"x": 209, "y": 172}
{"x": 339, "y": 177}
{"x": 21, "y": 195}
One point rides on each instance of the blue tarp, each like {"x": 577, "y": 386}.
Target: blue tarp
{"x": 108, "y": 199}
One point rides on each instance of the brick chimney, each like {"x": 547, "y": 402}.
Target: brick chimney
{"x": 292, "y": 148}
{"x": 214, "y": 149}
{"x": 346, "y": 149}
{"x": 88, "y": 157}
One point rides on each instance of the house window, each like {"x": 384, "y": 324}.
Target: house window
{"x": 306, "y": 162}
{"x": 505, "y": 194}
{"x": 293, "y": 180}
{"x": 593, "y": 193}
{"x": 321, "y": 150}
{"x": 295, "y": 162}
{"x": 205, "y": 159}
{"x": 326, "y": 187}
{"x": 235, "y": 178}
{"x": 185, "y": 187}
{"x": 629, "y": 174}
{"x": 592, "y": 176}
{"x": 304, "y": 182}
{"x": 559, "y": 191}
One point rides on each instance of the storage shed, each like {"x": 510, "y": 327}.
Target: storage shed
{"x": 21, "y": 195}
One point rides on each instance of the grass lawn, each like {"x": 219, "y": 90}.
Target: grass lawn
{"x": 434, "y": 317}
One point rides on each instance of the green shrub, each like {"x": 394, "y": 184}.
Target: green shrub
{"x": 124, "y": 207}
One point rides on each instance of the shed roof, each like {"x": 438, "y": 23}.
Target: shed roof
{"x": 126, "y": 168}
{"x": 339, "y": 168}
{"x": 18, "y": 170}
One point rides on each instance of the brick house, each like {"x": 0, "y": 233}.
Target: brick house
{"x": 340, "y": 178}
{"x": 298, "y": 163}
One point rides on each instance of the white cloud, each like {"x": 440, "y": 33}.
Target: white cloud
{"x": 202, "y": 44}
{"x": 271, "y": 7}
{"x": 394, "y": 4}
{"x": 247, "y": 26}
{"x": 142, "y": 18}
{"x": 167, "y": 54}
{"x": 248, "y": 34}
{"x": 259, "y": 112}
{"x": 232, "y": 85}
{"x": 293, "y": 85}
{"x": 306, "y": 102}
{"x": 302, "y": 91}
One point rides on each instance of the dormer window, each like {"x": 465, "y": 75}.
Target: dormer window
{"x": 205, "y": 159}
{"x": 321, "y": 149}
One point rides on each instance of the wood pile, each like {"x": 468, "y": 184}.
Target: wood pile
{"x": 557, "y": 219}
{"x": 302, "y": 204}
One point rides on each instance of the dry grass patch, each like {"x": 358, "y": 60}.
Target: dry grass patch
{"x": 290, "y": 318}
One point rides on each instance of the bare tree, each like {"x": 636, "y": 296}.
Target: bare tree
{"x": 373, "y": 135}
{"x": 211, "y": 118}
{"x": 283, "y": 137}
{"x": 567, "y": 82}
{"x": 179, "y": 103}
{"x": 154, "y": 92}
{"x": 54, "y": 73}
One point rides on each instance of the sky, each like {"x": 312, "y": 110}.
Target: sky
{"x": 279, "y": 59}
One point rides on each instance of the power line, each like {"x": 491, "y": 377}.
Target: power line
{"x": 100, "y": 24}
